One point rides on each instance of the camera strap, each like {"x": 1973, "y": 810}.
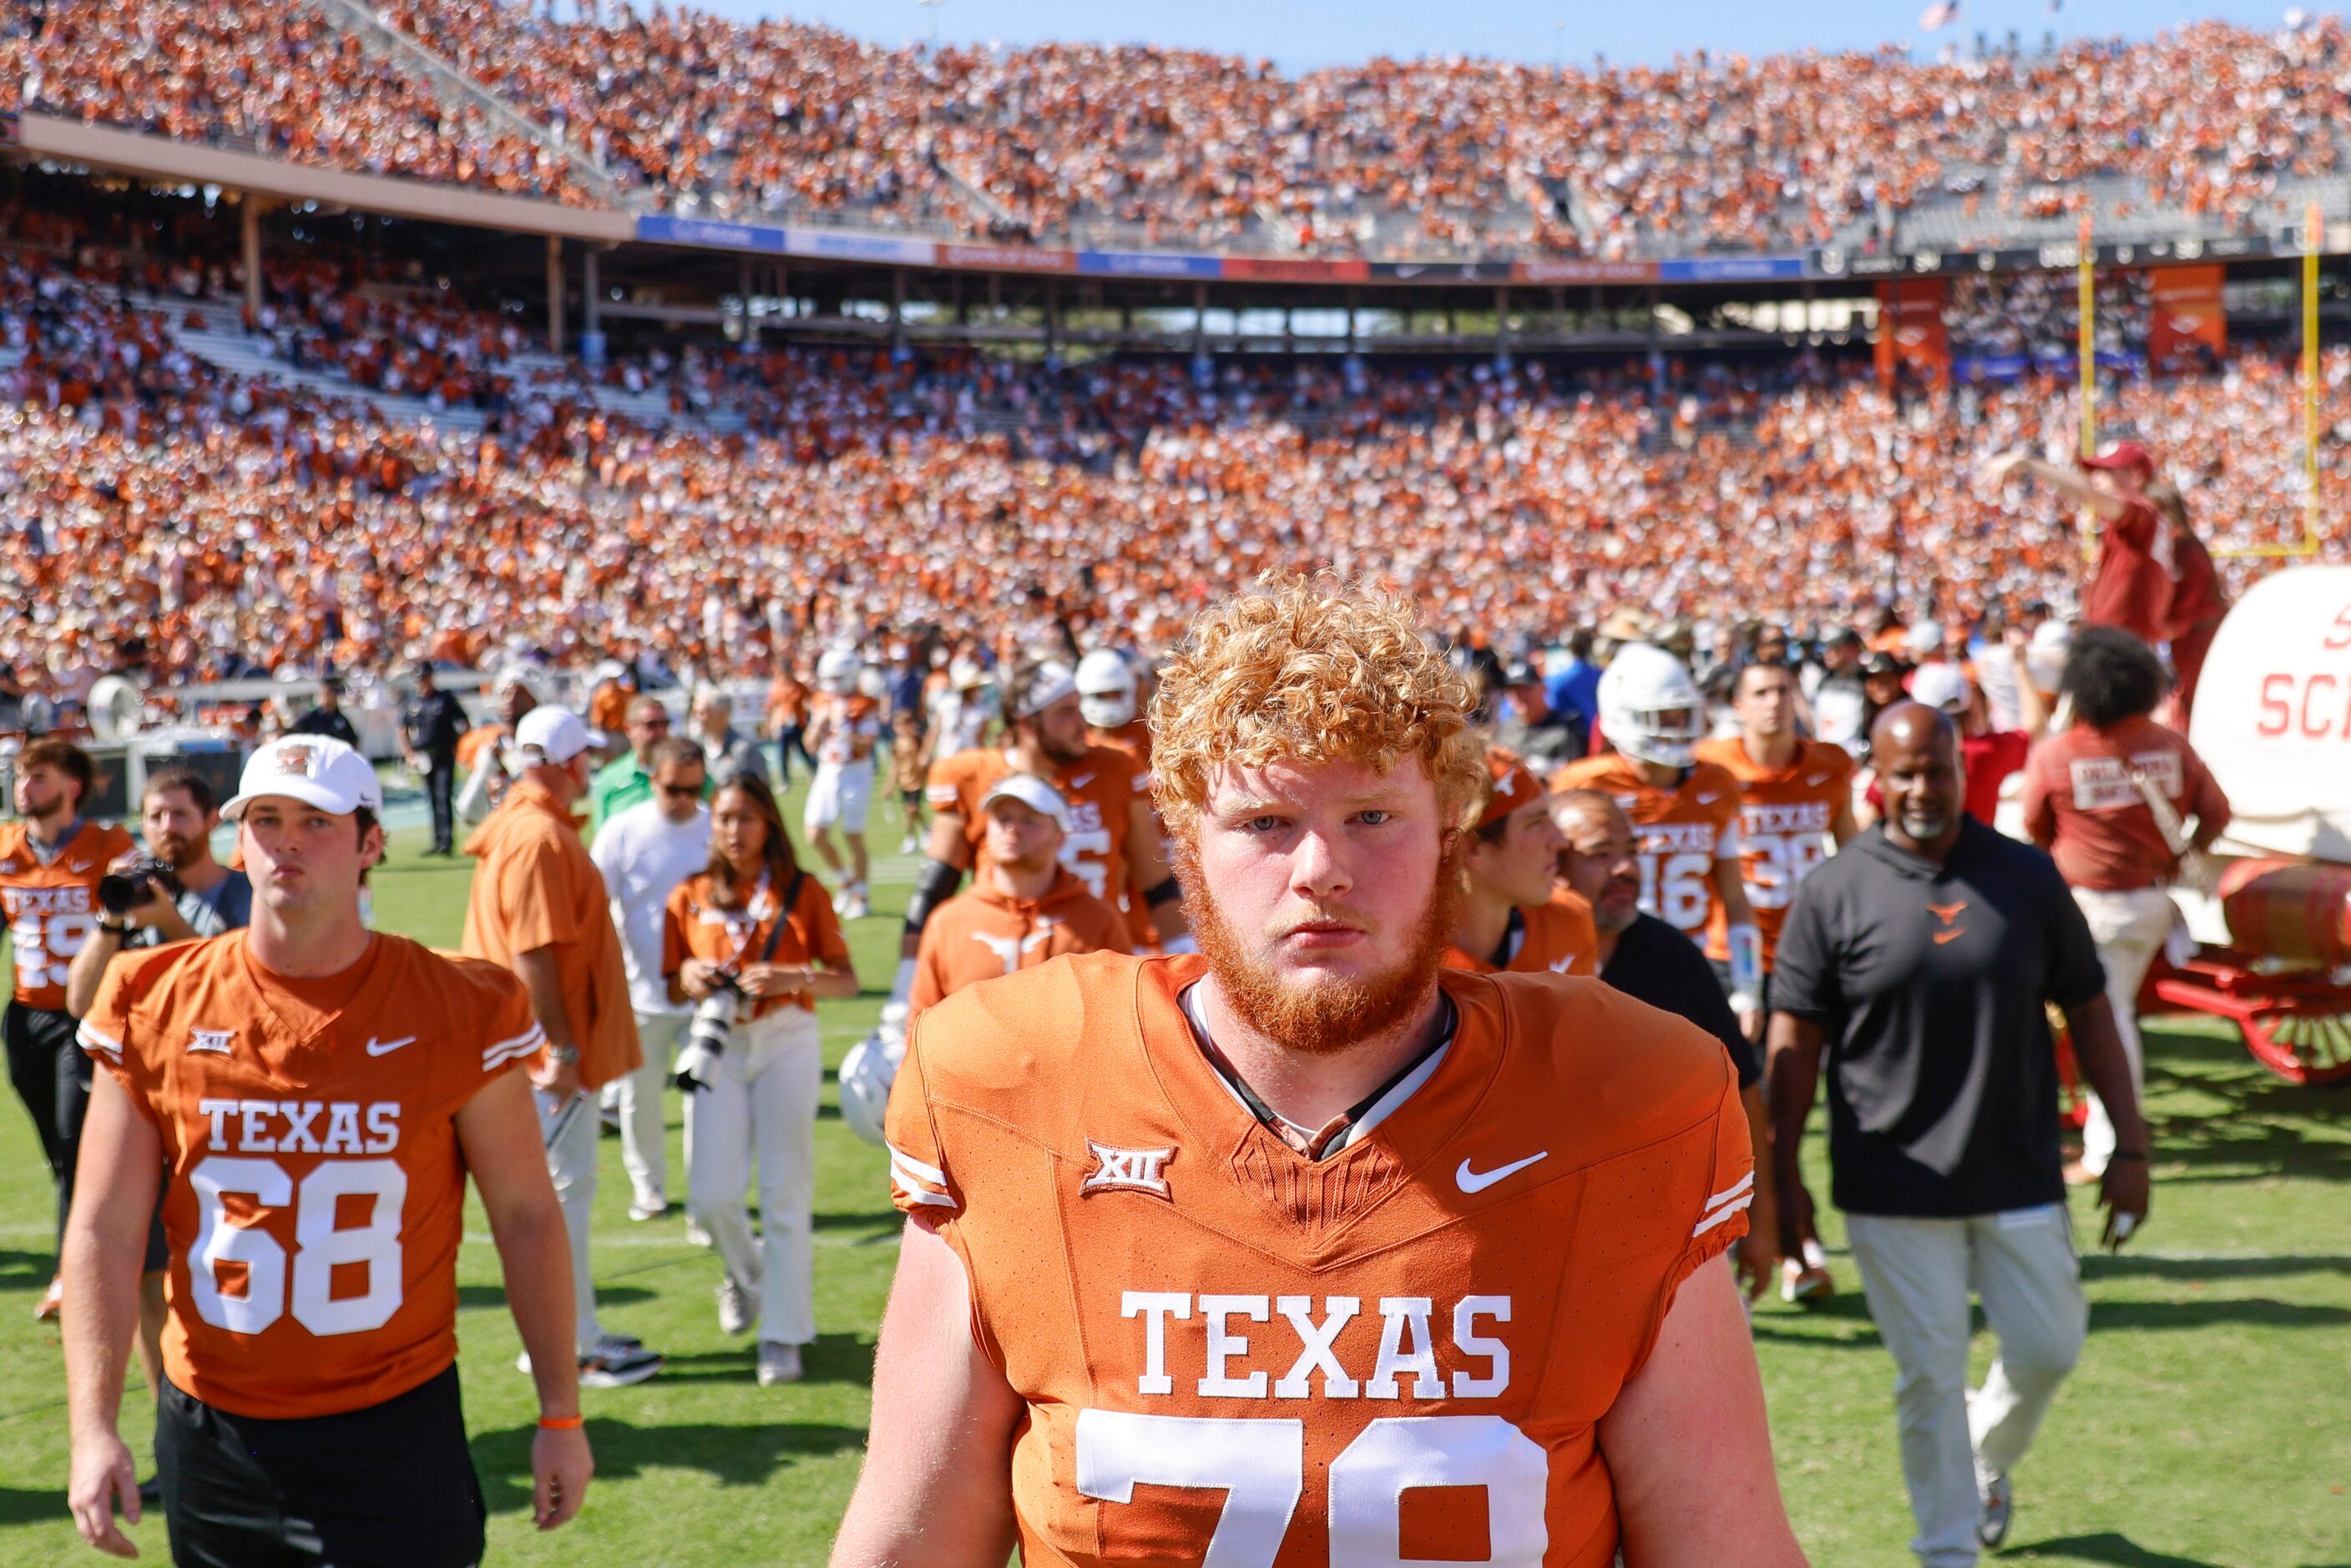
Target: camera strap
{"x": 784, "y": 913}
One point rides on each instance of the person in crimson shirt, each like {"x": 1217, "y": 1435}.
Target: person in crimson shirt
{"x": 2197, "y": 603}
{"x": 1989, "y": 755}
{"x": 2086, "y": 803}
{"x": 2131, "y": 586}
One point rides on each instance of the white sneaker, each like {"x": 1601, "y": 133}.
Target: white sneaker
{"x": 841, "y": 901}
{"x": 641, "y": 1210}
{"x": 739, "y": 1306}
{"x": 857, "y": 907}
{"x": 778, "y": 1364}
{"x": 909, "y": 844}
{"x": 696, "y": 1234}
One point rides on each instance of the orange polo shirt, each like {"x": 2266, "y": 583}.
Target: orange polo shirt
{"x": 536, "y": 887}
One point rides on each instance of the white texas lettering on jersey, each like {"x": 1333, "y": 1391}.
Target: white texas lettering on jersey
{"x": 1405, "y": 1354}
{"x": 302, "y": 1126}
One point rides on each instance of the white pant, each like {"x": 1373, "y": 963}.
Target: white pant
{"x": 764, "y": 1105}
{"x": 841, "y": 795}
{"x": 569, "y": 1126}
{"x": 2129, "y": 929}
{"x": 1916, "y": 1274}
{"x": 640, "y": 1097}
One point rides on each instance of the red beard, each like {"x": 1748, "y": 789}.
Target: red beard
{"x": 1330, "y": 1015}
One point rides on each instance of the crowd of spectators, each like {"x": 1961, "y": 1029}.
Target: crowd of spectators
{"x": 1173, "y": 147}
{"x": 280, "y": 79}
{"x": 2038, "y": 314}
{"x": 233, "y": 527}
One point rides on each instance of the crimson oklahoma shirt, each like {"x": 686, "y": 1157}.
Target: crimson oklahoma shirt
{"x": 2130, "y": 588}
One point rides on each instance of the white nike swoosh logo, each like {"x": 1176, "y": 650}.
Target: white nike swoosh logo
{"x": 1478, "y": 1181}
{"x": 1561, "y": 967}
{"x": 1082, "y": 780}
{"x": 77, "y": 867}
{"x": 1707, "y": 800}
{"x": 386, "y": 1047}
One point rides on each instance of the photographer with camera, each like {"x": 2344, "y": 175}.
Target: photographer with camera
{"x": 752, "y": 941}
{"x": 170, "y": 891}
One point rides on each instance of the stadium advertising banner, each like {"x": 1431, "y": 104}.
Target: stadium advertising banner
{"x": 1007, "y": 258}
{"x": 1148, "y": 264}
{"x": 1911, "y": 331}
{"x": 1584, "y": 272}
{"x": 2188, "y": 328}
{"x": 1735, "y": 270}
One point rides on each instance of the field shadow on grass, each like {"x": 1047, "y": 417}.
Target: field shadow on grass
{"x": 2127, "y": 1265}
{"x": 480, "y": 1298}
{"x": 738, "y": 1455}
{"x": 28, "y": 1271}
{"x": 833, "y": 1358}
{"x": 2262, "y": 1130}
{"x": 2120, "y": 1550}
{"x": 2109, "y": 1317}
{"x": 19, "y": 1505}
{"x": 878, "y": 1219}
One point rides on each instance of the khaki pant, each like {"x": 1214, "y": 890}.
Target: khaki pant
{"x": 568, "y": 1125}
{"x": 639, "y": 1098}
{"x": 1917, "y": 1275}
{"x": 2129, "y": 929}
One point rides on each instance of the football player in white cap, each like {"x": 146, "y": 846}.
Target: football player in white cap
{"x": 312, "y": 1097}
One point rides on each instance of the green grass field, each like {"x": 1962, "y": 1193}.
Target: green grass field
{"x": 2209, "y": 1426}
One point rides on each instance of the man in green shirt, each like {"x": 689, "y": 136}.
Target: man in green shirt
{"x": 628, "y": 777}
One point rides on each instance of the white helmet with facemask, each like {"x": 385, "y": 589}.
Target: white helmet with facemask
{"x": 1106, "y": 688}
{"x": 1650, "y": 709}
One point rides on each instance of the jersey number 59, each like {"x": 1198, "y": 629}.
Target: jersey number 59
{"x": 1259, "y": 1464}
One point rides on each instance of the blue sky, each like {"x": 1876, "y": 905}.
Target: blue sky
{"x": 1301, "y": 34}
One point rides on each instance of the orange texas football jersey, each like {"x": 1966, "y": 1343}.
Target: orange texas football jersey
{"x": 1556, "y": 938}
{"x": 1784, "y": 818}
{"x": 52, "y": 908}
{"x": 1680, "y": 833}
{"x": 1396, "y": 1352}
{"x": 316, "y": 1192}
{"x": 984, "y": 935}
{"x": 1101, "y": 788}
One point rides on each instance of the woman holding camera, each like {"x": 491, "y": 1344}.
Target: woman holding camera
{"x": 752, "y": 941}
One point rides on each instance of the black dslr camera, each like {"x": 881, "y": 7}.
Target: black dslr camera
{"x": 120, "y": 891}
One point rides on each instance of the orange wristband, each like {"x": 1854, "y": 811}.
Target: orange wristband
{"x": 561, "y": 1423}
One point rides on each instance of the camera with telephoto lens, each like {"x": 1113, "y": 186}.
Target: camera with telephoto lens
{"x": 706, "y": 1036}
{"x": 120, "y": 891}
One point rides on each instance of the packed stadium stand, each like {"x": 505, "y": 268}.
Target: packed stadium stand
{"x": 676, "y": 109}
{"x": 285, "y": 435}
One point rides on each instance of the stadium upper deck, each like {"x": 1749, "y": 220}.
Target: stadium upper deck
{"x": 2209, "y": 131}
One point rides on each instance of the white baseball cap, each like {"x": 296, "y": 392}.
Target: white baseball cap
{"x": 1053, "y": 681}
{"x": 1940, "y": 685}
{"x": 1032, "y": 792}
{"x": 313, "y": 768}
{"x": 555, "y": 732}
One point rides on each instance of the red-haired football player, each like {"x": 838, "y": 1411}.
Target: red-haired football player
{"x": 1305, "y": 1249}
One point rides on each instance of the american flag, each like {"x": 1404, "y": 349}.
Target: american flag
{"x": 1941, "y": 14}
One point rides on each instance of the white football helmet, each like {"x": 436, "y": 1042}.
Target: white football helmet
{"x": 837, "y": 669}
{"x": 1650, "y": 709}
{"x": 866, "y": 1074}
{"x": 1105, "y": 689}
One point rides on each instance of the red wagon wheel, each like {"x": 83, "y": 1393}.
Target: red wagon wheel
{"x": 2300, "y": 1044}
